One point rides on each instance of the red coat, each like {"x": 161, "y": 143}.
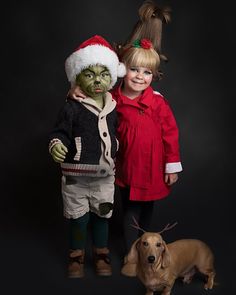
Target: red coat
{"x": 148, "y": 139}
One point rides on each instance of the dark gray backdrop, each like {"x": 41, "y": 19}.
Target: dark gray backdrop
{"x": 36, "y": 38}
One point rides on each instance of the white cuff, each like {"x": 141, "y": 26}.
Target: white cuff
{"x": 173, "y": 167}
{"x": 52, "y": 143}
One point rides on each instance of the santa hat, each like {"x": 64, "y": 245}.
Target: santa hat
{"x": 94, "y": 51}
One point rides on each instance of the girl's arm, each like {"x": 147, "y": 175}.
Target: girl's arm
{"x": 75, "y": 92}
{"x": 170, "y": 139}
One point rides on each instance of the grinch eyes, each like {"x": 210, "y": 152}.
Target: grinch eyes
{"x": 105, "y": 74}
{"x": 93, "y": 76}
{"x": 89, "y": 76}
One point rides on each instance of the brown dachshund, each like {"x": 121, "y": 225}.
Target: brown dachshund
{"x": 158, "y": 264}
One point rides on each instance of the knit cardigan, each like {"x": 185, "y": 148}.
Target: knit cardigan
{"x": 88, "y": 132}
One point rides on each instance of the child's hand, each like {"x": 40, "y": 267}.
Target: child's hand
{"x": 75, "y": 92}
{"x": 171, "y": 178}
{"x": 58, "y": 152}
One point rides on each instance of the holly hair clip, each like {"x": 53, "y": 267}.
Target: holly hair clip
{"x": 142, "y": 43}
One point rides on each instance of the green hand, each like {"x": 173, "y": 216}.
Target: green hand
{"x": 58, "y": 152}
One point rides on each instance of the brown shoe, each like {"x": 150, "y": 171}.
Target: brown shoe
{"x": 76, "y": 264}
{"x": 102, "y": 262}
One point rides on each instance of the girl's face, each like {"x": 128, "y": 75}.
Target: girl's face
{"x": 137, "y": 79}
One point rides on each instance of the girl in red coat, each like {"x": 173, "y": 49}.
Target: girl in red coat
{"x": 148, "y": 158}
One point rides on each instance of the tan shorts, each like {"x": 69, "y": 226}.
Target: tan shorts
{"x": 84, "y": 194}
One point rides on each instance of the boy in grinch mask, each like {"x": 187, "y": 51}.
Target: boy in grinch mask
{"x": 84, "y": 143}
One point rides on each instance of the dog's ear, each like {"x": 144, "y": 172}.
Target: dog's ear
{"x": 165, "y": 262}
{"x": 130, "y": 264}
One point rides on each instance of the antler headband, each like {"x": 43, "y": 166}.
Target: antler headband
{"x": 167, "y": 227}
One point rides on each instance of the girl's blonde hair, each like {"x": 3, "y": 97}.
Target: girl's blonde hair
{"x": 140, "y": 57}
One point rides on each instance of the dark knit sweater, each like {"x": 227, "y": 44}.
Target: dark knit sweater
{"x": 89, "y": 135}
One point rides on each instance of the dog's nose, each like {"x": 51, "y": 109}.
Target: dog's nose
{"x": 151, "y": 259}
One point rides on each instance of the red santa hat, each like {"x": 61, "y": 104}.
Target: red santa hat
{"x": 94, "y": 51}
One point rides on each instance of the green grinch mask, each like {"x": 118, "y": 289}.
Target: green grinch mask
{"x": 94, "y": 81}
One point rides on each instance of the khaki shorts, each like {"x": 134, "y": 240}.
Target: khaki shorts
{"x": 84, "y": 194}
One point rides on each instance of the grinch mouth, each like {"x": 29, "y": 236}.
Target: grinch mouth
{"x": 98, "y": 90}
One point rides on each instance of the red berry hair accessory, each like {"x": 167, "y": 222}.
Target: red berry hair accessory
{"x": 146, "y": 43}
{"x": 143, "y": 43}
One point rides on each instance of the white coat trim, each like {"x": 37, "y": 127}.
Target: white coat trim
{"x": 173, "y": 167}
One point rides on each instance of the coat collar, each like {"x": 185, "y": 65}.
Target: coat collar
{"x": 145, "y": 99}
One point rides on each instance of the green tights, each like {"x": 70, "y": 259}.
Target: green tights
{"x": 78, "y": 231}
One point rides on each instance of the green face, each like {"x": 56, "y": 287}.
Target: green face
{"x": 94, "y": 81}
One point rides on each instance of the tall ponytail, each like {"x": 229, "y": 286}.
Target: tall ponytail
{"x": 149, "y": 25}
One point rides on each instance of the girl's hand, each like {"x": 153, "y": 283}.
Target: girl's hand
{"x": 171, "y": 178}
{"x": 75, "y": 92}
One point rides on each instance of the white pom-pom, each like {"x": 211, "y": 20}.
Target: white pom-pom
{"x": 121, "y": 72}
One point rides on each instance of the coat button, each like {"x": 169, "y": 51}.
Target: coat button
{"x": 141, "y": 112}
{"x": 104, "y": 134}
{"x": 103, "y": 171}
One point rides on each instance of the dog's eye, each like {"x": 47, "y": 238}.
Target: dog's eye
{"x": 145, "y": 244}
{"x": 158, "y": 244}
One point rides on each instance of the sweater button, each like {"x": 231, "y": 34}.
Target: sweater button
{"x": 103, "y": 171}
{"x": 104, "y": 134}
{"x": 141, "y": 112}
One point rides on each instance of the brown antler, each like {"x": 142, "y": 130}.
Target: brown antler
{"x": 136, "y": 225}
{"x": 168, "y": 227}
